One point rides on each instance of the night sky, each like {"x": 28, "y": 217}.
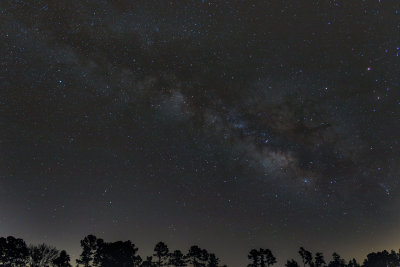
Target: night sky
{"x": 227, "y": 124}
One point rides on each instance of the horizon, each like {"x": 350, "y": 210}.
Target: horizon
{"x": 280, "y": 262}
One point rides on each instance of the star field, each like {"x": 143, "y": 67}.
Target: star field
{"x": 227, "y": 124}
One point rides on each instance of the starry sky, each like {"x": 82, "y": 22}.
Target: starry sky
{"x": 227, "y": 124}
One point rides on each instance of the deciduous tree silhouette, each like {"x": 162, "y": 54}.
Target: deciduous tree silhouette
{"x": 382, "y": 259}
{"x": 292, "y": 263}
{"x": 177, "y": 259}
{"x": 13, "y": 251}
{"x": 394, "y": 259}
{"x": 161, "y": 251}
{"x": 62, "y": 260}
{"x": 42, "y": 255}
{"x": 319, "y": 259}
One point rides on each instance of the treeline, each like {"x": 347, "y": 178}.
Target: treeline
{"x": 98, "y": 253}
{"x": 15, "y": 252}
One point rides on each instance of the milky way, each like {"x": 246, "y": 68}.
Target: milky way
{"x": 228, "y": 124}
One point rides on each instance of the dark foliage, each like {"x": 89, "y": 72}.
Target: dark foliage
{"x": 161, "y": 252}
{"x": 292, "y": 263}
{"x": 306, "y": 256}
{"x": 42, "y": 255}
{"x": 62, "y": 260}
{"x": 89, "y": 247}
{"x": 382, "y": 259}
{"x": 337, "y": 261}
{"x": 116, "y": 254}
{"x": 177, "y": 259}
{"x": 261, "y": 258}
{"x": 197, "y": 257}
{"x": 13, "y": 251}
{"x": 319, "y": 259}
{"x": 97, "y": 253}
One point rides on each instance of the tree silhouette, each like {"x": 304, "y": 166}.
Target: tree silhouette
{"x": 306, "y": 257}
{"x": 13, "y": 252}
{"x": 197, "y": 256}
{"x": 292, "y": 263}
{"x": 337, "y": 261}
{"x": 394, "y": 259}
{"x": 177, "y": 259}
{"x": 161, "y": 251}
{"x": 120, "y": 253}
{"x": 302, "y": 255}
{"x": 261, "y": 258}
{"x": 319, "y": 259}
{"x": 213, "y": 261}
{"x": 148, "y": 262}
{"x": 353, "y": 263}
{"x": 89, "y": 246}
{"x": 383, "y": 258}
{"x": 97, "y": 253}
{"x": 137, "y": 261}
{"x": 42, "y": 255}
{"x": 254, "y": 256}
{"x": 62, "y": 260}
{"x": 267, "y": 258}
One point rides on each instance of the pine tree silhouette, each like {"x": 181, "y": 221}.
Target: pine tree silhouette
{"x": 161, "y": 251}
